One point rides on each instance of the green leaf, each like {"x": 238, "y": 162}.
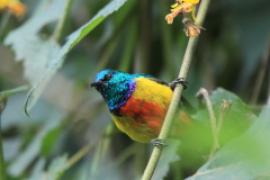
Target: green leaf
{"x": 27, "y": 156}
{"x": 43, "y": 57}
{"x": 55, "y": 170}
{"x": 72, "y": 40}
{"x": 37, "y": 170}
{"x": 57, "y": 167}
{"x": 197, "y": 139}
{"x": 237, "y": 118}
{"x": 30, "y": 47}
{"x": 49, "y": 140}
{"x": 246, "y": 157}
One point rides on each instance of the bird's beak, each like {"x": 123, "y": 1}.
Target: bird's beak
{"x": 95, "y": 84}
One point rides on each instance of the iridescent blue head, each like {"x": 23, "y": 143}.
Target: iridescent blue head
{"x": 115, "y": 87}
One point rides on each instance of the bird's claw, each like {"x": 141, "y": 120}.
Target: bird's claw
{"x": 160, "y": 143}
{"x": 180, "y": 81}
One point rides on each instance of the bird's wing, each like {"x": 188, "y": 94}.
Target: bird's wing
{"x": 184, "y": 102}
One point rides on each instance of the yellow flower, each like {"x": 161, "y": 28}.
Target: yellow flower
{"x": 14, "y": 6}
{"x": 189, "y": 1}
{"x": 182, "y": 6}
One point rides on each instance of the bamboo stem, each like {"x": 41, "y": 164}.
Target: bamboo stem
{"x": 156, "y": 153}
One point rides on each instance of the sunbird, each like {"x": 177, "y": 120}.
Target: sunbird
{"x": 138, "y": 102}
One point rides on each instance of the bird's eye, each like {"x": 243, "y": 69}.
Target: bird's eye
{"x": 107, "y": 77}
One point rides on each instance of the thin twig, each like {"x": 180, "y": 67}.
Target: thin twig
{"x": 3, "y": 97}
{"x": 261, "y": 76}
{"x": 129, "y": 47}
{"x": 73, "y": 160}
{"x": 166, "y": 42}
{"x": 268, "y": 100}
{"x": 213, "y": 120}
{"x": 101, "y": 150}
{"x": 2, "y": 160}
{"x": 61, "y": 23}
{"x": 223, "y": 109}
{"x": 156, "y": 153}
{"x": 11, "y": 92}
{"x": 145, "y": 34}
{"x": 107, "y": 54}
{"x": 79, "y": 155}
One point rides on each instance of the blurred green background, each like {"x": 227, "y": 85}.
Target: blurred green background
{"x": 70, "y": 134}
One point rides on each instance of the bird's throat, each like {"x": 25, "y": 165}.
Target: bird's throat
{"x": 118, "y": 95}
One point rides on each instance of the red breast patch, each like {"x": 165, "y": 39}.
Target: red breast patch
{"x": 144, "y": 113}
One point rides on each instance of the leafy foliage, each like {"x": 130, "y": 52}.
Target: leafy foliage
{"x": 244, "y": 158}
{"x": 44, "y": 58}
{"x": 36, "y": 52}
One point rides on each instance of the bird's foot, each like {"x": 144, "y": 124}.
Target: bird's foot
{"x": 160, "y": 143}
{"x": 180, "y": 81}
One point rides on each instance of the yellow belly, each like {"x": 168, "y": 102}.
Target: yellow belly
{"x": 147, "y": 92}
{"x": 136, "y": 132}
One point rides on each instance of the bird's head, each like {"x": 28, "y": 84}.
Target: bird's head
{"x": 115, "y": 87}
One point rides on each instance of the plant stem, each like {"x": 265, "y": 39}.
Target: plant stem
{"x": 156, "y": 153}
{"x": 61, "y": 23}
{"x": 213, "y": 120}
{"x": 166, "y": 42}
{"x": 129, "y": 47}
{"x": 107, "y": 54}
{"x": 79, "y": 155}
{"x": 8, "y": 93}
{"x": 268, "y": 100}
{"x": 225, "y": 106}
{"x": 2, "y": 160}
{"x": 261, "y": 76}
{"x": 102, "y": 150}
{"x": 3, "y": 96}
{"x": 4, "y": 22}
{"x": 145, "y": 34}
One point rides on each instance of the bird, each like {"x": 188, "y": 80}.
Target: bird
{"x": 137, "y": 102}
